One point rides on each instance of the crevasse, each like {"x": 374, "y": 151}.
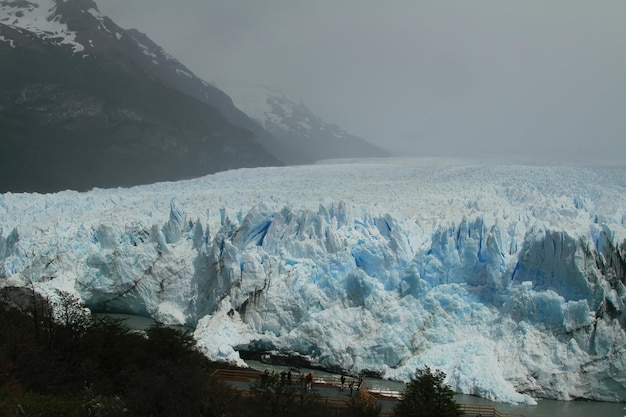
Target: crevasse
{"x": 512, "y": 284}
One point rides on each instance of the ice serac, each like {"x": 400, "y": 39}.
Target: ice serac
{"x": 510, "y": 278}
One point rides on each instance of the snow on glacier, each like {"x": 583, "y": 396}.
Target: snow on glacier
{"x": 507, "y": 276}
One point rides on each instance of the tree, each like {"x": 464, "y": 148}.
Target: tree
{"x": 275, "y": 396}
{"x": 426, "y": 395}
{"x": 364, "y": 406}
{"x": 70, "y": 311}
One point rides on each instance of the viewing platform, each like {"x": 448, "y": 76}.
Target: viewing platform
{"x": 328, "y": 389}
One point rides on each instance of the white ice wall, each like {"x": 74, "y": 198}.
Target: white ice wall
{"x": 510, "y": 278}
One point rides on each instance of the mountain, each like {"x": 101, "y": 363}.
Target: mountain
{"x": 175, "y": 75}
{"x": 510, "y": 278}
{"x": 84, "y": 103}
{"x": 293, "y": 123}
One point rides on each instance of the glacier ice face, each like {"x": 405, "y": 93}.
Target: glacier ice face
{"x": 508, "y": 277}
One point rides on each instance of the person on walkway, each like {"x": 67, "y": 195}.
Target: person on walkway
{"x": 309, "y": 381}
{"x": 351, "y": 386}
{"x": 358, "y": 387}
{"x": 343, "y": 382}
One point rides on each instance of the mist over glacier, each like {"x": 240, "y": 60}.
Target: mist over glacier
{"x": 509, "y": 277}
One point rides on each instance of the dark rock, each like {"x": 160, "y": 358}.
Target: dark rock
{"x": 100, "y": 117}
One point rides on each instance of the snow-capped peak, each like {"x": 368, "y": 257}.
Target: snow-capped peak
{"x": 256, "y": 100}
{"x": 293, "y": 123}
{"x": 40, "y": 17}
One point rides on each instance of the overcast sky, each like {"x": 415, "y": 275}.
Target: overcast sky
{"x": 523, "y": 77}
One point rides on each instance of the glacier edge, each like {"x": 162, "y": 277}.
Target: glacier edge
{"x": 511, "y": 279}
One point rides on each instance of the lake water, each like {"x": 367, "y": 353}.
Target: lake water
{"x": 129, "y": 320}
{"x": 552, "y": 408}
{"x": 137, "y": 322}
{"x": 544, "y": 408}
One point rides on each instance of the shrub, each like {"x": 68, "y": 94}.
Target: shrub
{"x": 363, "y": 406}
{"x": 426, "y": 395}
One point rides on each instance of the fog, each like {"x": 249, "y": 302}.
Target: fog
{"x": 536, "y": 78}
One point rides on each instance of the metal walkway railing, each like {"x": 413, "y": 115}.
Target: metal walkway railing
{"x": 243, "y": 377}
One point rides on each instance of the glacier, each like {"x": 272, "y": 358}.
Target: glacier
{"x": 508, "y": 276}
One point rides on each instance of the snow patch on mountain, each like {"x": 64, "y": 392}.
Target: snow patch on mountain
{"x": 250, "y": 98}
{"x": 39, "y": 17}
{"x": 511, "y": 278}
{"x": 154, "y": 51}
{"x": 294, "y": 124}
{"x": 10, "y": 41}
{"x": 102, "y": 21}
{"x": 276, "y": 111}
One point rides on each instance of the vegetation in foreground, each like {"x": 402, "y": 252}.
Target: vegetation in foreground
{"x": 60, "y": 361}
{"x": 426, "y": 395}
{"x": 63, "y": 362}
